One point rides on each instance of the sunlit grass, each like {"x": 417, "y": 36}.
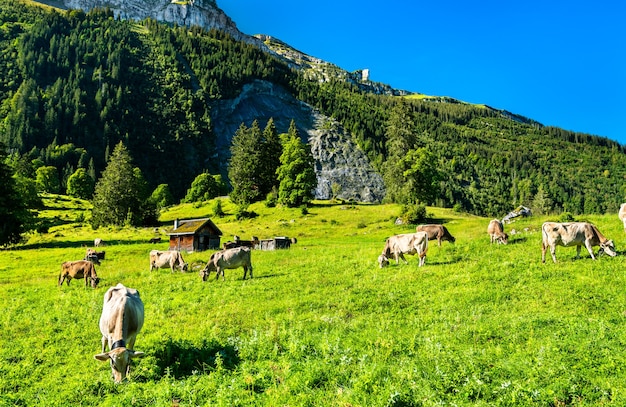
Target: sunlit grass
{"x": 321, "y": 324}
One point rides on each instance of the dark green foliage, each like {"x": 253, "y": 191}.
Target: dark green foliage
{"x": 121, "y": 195}
{"x": 243, "y": 165}
{"x": 296, "y": 173}
{"x": 15, "y": 218}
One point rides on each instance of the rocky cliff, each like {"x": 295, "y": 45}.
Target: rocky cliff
{"x": 342, "y": 169}
{"x": 203, "y": 13}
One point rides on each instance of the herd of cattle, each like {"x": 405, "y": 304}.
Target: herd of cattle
{"x": 123, "y": 312}
{"x": 553, "y": 234}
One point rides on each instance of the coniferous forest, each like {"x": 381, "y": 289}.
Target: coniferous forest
{"x": 76, "y": 84}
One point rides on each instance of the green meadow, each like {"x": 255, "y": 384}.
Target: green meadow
{"x": 320, "y": 324}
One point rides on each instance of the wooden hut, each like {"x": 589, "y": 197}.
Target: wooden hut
{"x": 194, "y": 235}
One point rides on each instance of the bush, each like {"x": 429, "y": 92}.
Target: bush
{"x": 414, "y": 214}
{"x": 243, "y": 213}
{"x": 566, "y": 217}
{"x": 217, "y": 208}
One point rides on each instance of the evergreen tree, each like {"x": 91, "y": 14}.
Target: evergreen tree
{"x": 270, "y": 150}
{"x": 400, "y": 140}
{"x": 15, "y": 218}
{"x": 119, "y": 192}
{"x": 296, "y": 173}
{"x": 243, "y": 165}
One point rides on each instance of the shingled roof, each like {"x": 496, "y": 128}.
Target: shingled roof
{"x": 191, "y": 226}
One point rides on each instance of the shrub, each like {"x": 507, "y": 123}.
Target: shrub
{"x": 217, "y": 208}
{"x": 413, "y": 214}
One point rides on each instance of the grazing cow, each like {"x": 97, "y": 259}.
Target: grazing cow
{"x": 254, "y": 243}
{"x": 120, "y": 322}
{"x": 154, "y": 240}
{"x": 91, "y": 252}
{"x": 79, "y": 269}
{"x": 228, "y": 259}
{"x": 622, "y": 214}
{"x": 496, "y": 232}
{"x": 98, "y": 242}
{"x": 92, "y": 258}
{"x": 574, "y": 234}
{"x": 438, "y": 232}
{"x": 399, "y": 245}
{"x": 167, "y": 258}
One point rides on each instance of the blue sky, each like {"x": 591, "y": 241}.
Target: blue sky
{"x": 562, "y": 63}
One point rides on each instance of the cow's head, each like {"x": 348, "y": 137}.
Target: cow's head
{"x": 609, "y": 248}
{"x": 206, "y": 271}
{"x": 94, "y": 282}
{"x": 503, "y": 238}
{"x": 383, "y": 261}
{"x": 120, "y": 361}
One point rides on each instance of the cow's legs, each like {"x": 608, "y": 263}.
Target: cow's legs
{"x": 553, "y": 253}
{"x": 422, "y": 260}
{"x": 401, "y": 256}
{"x": 589, "y": 249}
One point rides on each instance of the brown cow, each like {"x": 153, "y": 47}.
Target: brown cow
{"x": 79, "y": 269}
{"x": 167, "y": 258}
{"x": 438, "y": 232}
{"x": 121, "y": 320}
{"x": 408, "y": 243}
{"x": 228, "y": 259}
{"x": 496, "y": 232}
{"x": 574, "y": 234}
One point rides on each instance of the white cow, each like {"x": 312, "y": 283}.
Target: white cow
{"x": 228, "y": 259}
{"x": 167, "y": 258}
{"x": 120, "y": 322}
{"x": 408, "y": 243}
{"x": 496, "y": 232}
{"x": 574, "y": 234}
{"x": 622, "y": 214}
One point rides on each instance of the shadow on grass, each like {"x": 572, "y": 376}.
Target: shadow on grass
{"x": 57, "y": 244}
{"x": 181, "y": 358}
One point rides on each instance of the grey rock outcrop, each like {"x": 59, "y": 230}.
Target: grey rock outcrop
{"x": 202, "y": 13}
{"x": 342, "y": 168}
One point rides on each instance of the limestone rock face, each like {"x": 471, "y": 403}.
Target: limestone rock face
{"x": 203, "y": 13}
{"x": 340, "y": 165}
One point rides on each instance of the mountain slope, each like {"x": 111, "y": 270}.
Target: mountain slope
{"x": 176, "y": 95}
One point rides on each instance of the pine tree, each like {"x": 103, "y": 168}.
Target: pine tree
{"x": 15, "y": 218}
{"x": 243, "y": 165}
{"x": 400, "y": 140}
{"x": 269, "y": 158}
{"x": 120, "y": 193}
{"x": 296, "y": 173}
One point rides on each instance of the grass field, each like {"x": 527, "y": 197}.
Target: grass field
{"x": 320, "y": 324}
